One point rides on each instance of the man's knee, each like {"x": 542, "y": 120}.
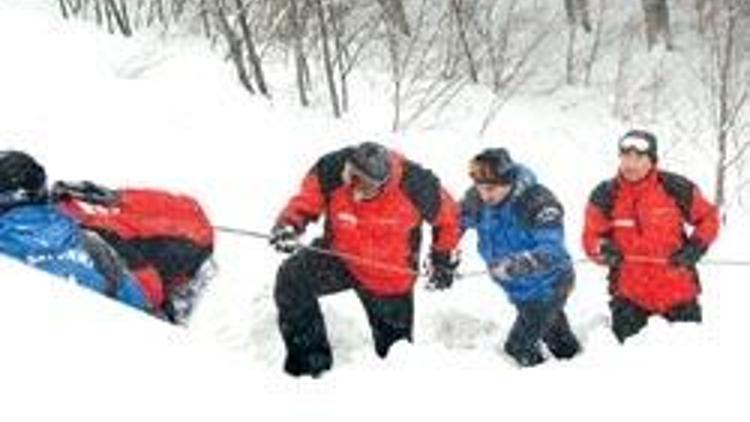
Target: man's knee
{"x": 290, "y": 283}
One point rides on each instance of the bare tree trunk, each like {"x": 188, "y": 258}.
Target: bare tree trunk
{"x": 299, "y": 52}
{"x": 725, "y": 121}
{"x": 124, "y": 21}
{"x": 461, "y": 28}
{"x": 396, "y": 15}
{"x": 98, "y": 12}
{"x": 235, "y": 49}
{"x": 336, "y": 23}
{"x": 108, "y": 15}
{"x": 178, "y": 8}
{"x": 570, "y": 59}
{"x": 327, "y": 62}
{"x": 64, "y": 8}
{"x": 77, "y": 7}
{"x": 707, "y": 10}
{"x": 620, "y": 89}
{"x": 396, "y": 70}
{"x": 252, "y": 53}
{"x": 578, "y": 12}
{"x": 656, "y": 17}
{"x": 594, "y": 53}
{"x": 120, "y": 16}
{"x": 205, "y": 20}
{"x": 157, "y": 9}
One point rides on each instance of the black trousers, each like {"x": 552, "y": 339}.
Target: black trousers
{"x": 542, "y": 321}
{"x": 628, "y": 319}
{"x": 306, "y": 276}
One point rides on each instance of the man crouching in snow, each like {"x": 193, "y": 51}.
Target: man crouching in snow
{"x": 521, "y": 238}
{"x": 374, "y": 201}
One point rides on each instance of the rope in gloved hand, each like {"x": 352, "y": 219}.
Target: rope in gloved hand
{"x": 462, "y": 274}
{"x": 301, "y": 246}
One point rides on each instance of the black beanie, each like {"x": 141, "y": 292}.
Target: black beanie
{"x": 20, "y": 172}
{"x": 493, "y": 165}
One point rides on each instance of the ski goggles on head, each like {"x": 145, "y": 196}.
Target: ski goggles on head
{"x": 642, "y": 143}
{"x": 632, "y": 143}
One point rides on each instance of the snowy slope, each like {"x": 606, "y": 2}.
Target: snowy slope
{"x": 132, "y": 112}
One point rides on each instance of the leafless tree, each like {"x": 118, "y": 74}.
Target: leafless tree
{"x": 234, "y": 44}
{"x": 460, "y": 21}
{"x": 578, "y": 13}
{"x": 580, "y": 59}
{"x": 706, "y": 10}
{"x": 64, "y": 8}
{"x": 621, "y": 83}
{"x": 656, "y": 18}
{"x": 396, "y": 15}
{"x": 300, "y": 59}
{"x": 327, "y": 58}
{"x": 730, "y": 89}
{"x": 252, "y": 53}
{"x": 596, "y": 43}
{"x": 335, "y": 12}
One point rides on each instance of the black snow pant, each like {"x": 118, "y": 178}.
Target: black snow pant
{"x": 308, "y": 275}
{"x": 628, "y": 319}
{"x": 543, "y": 321}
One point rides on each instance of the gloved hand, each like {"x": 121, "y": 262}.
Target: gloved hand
{"x": 85, "y": 191}
{"x": 688, "y": 255}
{"x": 610, "y": 254}
{"x": 442, "y": 270}
{"x": 514, "y": 266}
{"x": 285, "y": 238}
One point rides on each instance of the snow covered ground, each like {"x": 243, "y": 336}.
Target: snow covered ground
{"x": 129, "y": 112}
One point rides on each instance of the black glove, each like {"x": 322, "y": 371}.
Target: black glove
{"x": 688, "y": 255}
{"x": 85, "y": 191}
{"x": 610, "y": 254}
{"x": 514, "y": 266}
{"x": 285, "y": 238}
{"x": 443, "y": 270}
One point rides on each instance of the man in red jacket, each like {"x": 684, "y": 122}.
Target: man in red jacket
{"x": 374, "y": 201}
{"x": 635, "y": 225}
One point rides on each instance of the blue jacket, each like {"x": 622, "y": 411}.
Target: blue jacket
{"x": 43, "y": 237}
{"x": 529, "y": 221}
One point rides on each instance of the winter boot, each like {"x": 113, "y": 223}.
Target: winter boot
{"x": 628, "y": 319}
{"x": 313, "y": 364}
{"x": 524, "y": 356}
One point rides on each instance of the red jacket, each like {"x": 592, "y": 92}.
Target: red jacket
{"x": 646, "y": 220}
{"x": 383, "y": 231}
{"x": 145, "y": 226}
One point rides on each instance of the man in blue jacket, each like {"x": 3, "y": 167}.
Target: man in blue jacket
{"x": 519, "y": 224}
{"x": 35, "y": 232}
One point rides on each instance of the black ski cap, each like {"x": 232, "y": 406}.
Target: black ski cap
{"x": 20, "y": 171}
{"x": 493, "y": 166}
{"x": 373, "y": 160}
